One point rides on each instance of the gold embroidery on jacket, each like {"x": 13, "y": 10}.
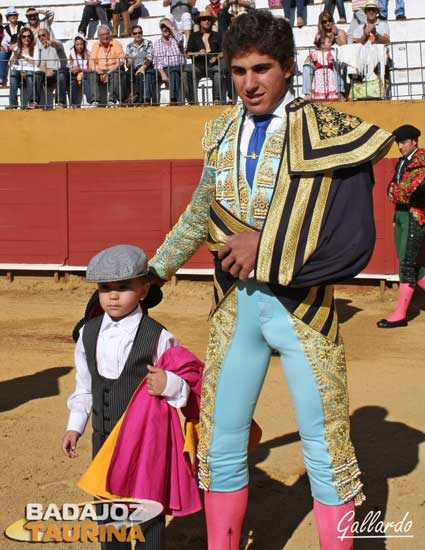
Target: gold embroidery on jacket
{"x": 268, "y": 235}
{"x": 295, "y": 225}
{"x": 322, "y": 314}
{"x": 317, "y": 217}
{"x": 327, "y": 127}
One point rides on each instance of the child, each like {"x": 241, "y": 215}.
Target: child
{"x": 114, "y": 353}
{"x": 324, "y": 81}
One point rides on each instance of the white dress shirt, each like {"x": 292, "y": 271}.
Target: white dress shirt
{"x": 279, "y": 116}
{"x": 113, "y": 347}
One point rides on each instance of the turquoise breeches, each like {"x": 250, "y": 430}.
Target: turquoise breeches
{"x": 314, "y": 368}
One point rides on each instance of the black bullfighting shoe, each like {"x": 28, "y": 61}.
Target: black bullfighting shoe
{"x": 384, "y": 323}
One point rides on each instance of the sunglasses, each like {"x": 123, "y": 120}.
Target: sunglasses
{"x": 327, "y": 20}
{"x": 137, "y": 32}
{"x": 33, "y": 16}
{"x": 205, "y": 19}
{"x": 26, "y": 36}
{"x": 41, "y": 35}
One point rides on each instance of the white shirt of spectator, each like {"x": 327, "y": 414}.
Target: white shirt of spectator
{"x": 113, "y": 347}
{"x": 25, "y": 63}
{"x": 77, "y": 59}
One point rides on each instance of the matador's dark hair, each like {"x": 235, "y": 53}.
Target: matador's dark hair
{"x": 260, "y": 30}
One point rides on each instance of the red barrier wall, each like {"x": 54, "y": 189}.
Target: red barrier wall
{"x": 33, "y": 213}
{"x": 64, "y": 213}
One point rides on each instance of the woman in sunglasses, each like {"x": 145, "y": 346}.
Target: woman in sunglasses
{"x": 326, "y": 29}
{"x": 24, "y": 73}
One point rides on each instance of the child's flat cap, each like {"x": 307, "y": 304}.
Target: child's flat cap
{"x": 117, "y": 263}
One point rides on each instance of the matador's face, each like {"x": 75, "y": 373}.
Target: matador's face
{"x": 259, "y": 80}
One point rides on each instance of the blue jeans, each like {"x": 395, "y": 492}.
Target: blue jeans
{"x": 4, "y": 65}
{"x": 28, "y": 82}
{"x": 77, "y": 90}
{"x": 330, "y": 6}
{"x": 399, "y": 8}
{"x": 57, "y": 82}
{"x": 175, "y": 83}
{"x": 287, "y": 8}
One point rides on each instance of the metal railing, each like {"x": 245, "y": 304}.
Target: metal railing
{"x": 398, "y": 72}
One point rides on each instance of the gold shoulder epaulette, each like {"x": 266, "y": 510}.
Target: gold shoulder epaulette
{"x": 322, "y": 138}
{"x": 216, "y": 128}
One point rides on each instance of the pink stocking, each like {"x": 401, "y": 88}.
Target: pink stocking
{"x": 405, "y": 294}
{"x": 421, "y": 283}
{"x": 332, "y": 522}
{"x": 224, "y": 514}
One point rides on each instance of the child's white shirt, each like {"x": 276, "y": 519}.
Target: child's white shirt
{"x": 113, "y": 347}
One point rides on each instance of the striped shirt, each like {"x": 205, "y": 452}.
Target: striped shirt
{"x": 169, "y": 54}
{"x": 358, "y": 4}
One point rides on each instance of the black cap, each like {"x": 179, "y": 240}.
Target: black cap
{"x": 407, "y": 131}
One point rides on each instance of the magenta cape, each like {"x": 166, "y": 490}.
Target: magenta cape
{"x": 148, "y": 460}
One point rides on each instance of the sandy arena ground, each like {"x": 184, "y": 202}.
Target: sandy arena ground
{"x": 386, "y": 373}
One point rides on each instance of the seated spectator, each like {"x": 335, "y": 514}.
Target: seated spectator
{"x": 53, "y": 65}
{"x": 120, "y": 11}
{"x": 359, "y": 17}
{"x": 287, "y": 4}
{"x": 169, "y": 59}
{"x": 135, "y": 11}
{"x": 330, "y": 7}
{"x": 95, "y": 10}
{"x": 106, "y": 69}
{"x": 23, "y": 75}
{"x": 141, "y": 81}
{"x": 204, "y": 48}
{"x": 8, "y": 42}
{"x": 181, "y": 15}
{"x": 326, "y": 28}
{"x": 35, "y": 23}
{"x": 399, "y": 11}
{"x": 324, "y": 86}
{"x": 79, "y": 56}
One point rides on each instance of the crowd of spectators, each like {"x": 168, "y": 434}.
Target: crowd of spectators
{"x": 355, "y": 64}
{"x": 188, "y": 50}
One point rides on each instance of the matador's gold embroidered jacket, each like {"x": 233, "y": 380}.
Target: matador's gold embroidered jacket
{"x": 311, "y": 200}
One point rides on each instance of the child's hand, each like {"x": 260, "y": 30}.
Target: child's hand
{"x": 69, "y": 443}
{"x": 156, "y": 380}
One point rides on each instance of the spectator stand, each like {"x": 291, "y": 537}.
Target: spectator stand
{"x": 407, "y": 52}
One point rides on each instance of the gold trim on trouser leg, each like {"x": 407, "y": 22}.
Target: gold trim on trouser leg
{"x": 327, "y": 361}
{"x": 223, "y": 326}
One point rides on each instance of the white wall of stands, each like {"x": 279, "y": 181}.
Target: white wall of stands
{"x": 408, "y": 58}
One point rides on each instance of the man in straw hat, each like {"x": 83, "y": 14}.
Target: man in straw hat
{"x": 374, "y": 30}
{"x": 285, "y": 205}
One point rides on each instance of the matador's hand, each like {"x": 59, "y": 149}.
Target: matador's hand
{"x": 239, "y": 254}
